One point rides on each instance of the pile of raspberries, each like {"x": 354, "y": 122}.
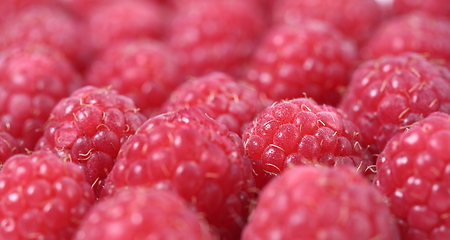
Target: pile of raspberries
{"x": 224, "y": 119}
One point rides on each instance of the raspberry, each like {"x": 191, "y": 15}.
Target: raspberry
{"x": 32, "y": 80}
{"x": 42, "y": 197}
{"x": 122, "y": 20}
{"x": 79, "y": 8}
{"x": 195, "y": 156}
{"x": 310, "y": 59}
{"x": 220, "y": 97}
{"x": 9, "y": 146}
{"x": 301, "y": 132}
{"x": 44, "y": 25}
{"x": 140, "y": 213}
{"x": 88, "y": 129}
{"x": 414, "y": 32}
{"x": 180, "y": 4}
{"x": 9, "y": 8}
{"x": 209, "y": 36}
{"x": 143, "y": 70}
{"x": 354, "y": 18}
{"x": 321, "y": 203}
{"x": 434, "y": 7}
{"x": 412, "y": 171}
{"x": 388, "y": 94}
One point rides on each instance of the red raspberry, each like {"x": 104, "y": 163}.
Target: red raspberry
{"x": 42, "y": 197}
{"x": 434, "y": 7}
{"x": 299, "y": 132}
{"x": 141, "y": 213}
{"x": 88, "y": 128}
{"x": 209, "y": 36}
{"x": 44, "y": 25}
{"x": 265, "y": 6}
{"x": 195, "y": 156}
{"x": 143, "y": 70}
{"x": 79, "y": 8}
{"x": 32, "y": 80}
{"x": 220, "y": 97}
{"x": 9, "y": 8}
{"x": 355, "y": 18}
{"x": 321, "y": 203}
{"x": 414, "y": 32}
{"x": 180, "y": 4}
{"x": 389, "y": 94}
{"x": 122, "y": 20}
{"x": 83, "y": 7}
{"x": 311, "y": 58}
{"x": 413, "y": 172}
{"x": 9, "y": 146}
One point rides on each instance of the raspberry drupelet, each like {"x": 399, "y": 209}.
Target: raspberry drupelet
{"x": 221, "y": 97}
{"x": 80, "y": 9}
{"x": 195, "y": 156}
{"x": 414, "y": 32}
{"x": 33, "y": 78}
{"x": 114, "y": 21}
{"x": 42, "y": 197}
{"x": 389, "y": 94}
{"x": 9, "y": 146}
{"x": 209, "y": 36}
{"x": 47, "y": 25}
{"x": 10, "y": 8}
{"x": 355, "y": 18}
{"x": 413, "y": 173}
{"x": 301, "y": 132}
{"x": 88, "y": 129}
{"x": 142, "y": 213}
{"x": 433, "y": 7}
{"x": 144, "y": 70}
{"x": 309, "y": 202}
{"x": 311, "y": 58}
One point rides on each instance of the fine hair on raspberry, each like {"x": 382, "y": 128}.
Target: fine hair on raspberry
{"x": 299, "y": 132}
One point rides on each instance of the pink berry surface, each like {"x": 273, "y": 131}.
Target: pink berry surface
{"x": 224, "y": 119}
{"x": 113, "y": 21}
{"x": 9, "y": 146}
{"x": 411, "y": 33}
{"x": 42, "y": 197}
{"x": 355, "y": 18}
{"x": 434, "y": 7}
{"x": 140, "y": 213}
{"x": 10, "y": 8}
{"x": 311, "y": 59}
{"x": 413, "y": 173}
{"x": 195, "y": 156}
{"x": 88, "y": 128}
{"x": 33, "y": 78}
{"x": 144, "y": 70}
{"x": 309, "y": 202}
{"x": 221, "y": 97}
{"x": 301, "y": 132}
{"x": 45, "y": 25}
{"x": 204, "y": 43}
{"x": 388, "y": 94}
